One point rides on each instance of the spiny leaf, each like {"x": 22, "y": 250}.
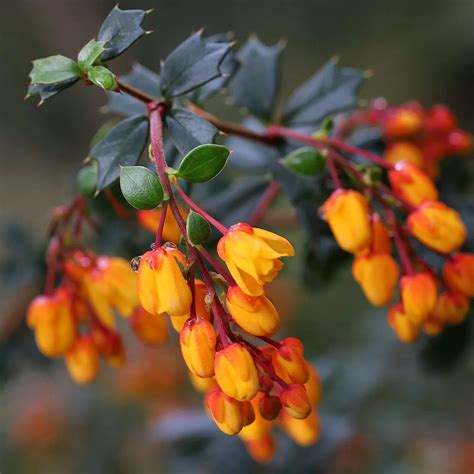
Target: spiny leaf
{"x": 54, "y": 69}
{"x": 89, "y": 54}
{"x": 46, "y": 91}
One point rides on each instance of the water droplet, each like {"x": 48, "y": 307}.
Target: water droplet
{"x": 135, "y": 263}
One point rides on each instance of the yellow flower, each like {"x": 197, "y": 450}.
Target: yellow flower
{"x": 289, "y": 363}
{"x": 256, "y": 315}
{"x": 347, "y": 214}
{"x": 404, "y": 151}
{"x": 295, "y": 402}
{"x": 452, "y": 307}
{"x": 380, "y": 238}
{"x": 252, "y": 256}
{"x": 406, "y": 330}
{"x": 458, "y": 273}
{"x": 171, "y": 231}
{"x": 437, "y": 226}
{"x": 160, "y": 282}
{"x": 149, "y": 328}
{"x": 305, "y": 432}
{"x": 82, "y": 360}
{"x": 419, "y": 296}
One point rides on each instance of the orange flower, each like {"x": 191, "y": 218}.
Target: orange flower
{"x": 289, "y": 363}
{"x": 460, "y": 142}
{"x": 451, "y": 307}
{"x": 458, "y": 273}
{"x": 198, "y": 346}
{"x": 82, "y": 360}
{"x": 432, "y": 325}
{"x": 228, "y": 414}
{"x": 406, "y": 330}
{"x": 412, "y": 184}
{"x": 53, "y": 323}
{"x": 202, "y": 384}
{"x": 313, "y": 386}
{"x": 347, "y": 214}
{"x": 236, "y": 373}
{"x": 261, "y": 449}
{"x": 404, "y": 151}
{"x": 419, "y": 296}
{"x": 160, "y": 283}
{"x": 403, "y": 122}
{"x": 254, "y": 314}
{"x": 150, "y": 220}
{"x": 294, "y": 401}
{"x": 305, "y": 432}
{"x": 437, "y": 226}
{"x": 269, "y": 406}
{"x": 252, "y": 256}
{"x": 149, "y": 328}
{"x": 380, "y": 238}
{"x": 378, "y": 275}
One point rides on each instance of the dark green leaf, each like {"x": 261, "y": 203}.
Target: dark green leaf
{"x": 102, "y": 77}
{"x": 46, "y": 91}
{"x": 122, "y": 145}
{"x": 140, "y": 187}
{"x": 203, "y": 163}
{"x": 199, "y": 230}
{"x": 89, "y": 54}
{"x": 256, "y": 82}
{"x": 193, "y": 63}
{"x": 87, "y": 179}
{"x": 187, "y": 130}
{"x": 120, "y": 30}
{"x": 54, "y": 69}
{"x": 141, "y": 78}
{"x": 307, "y": 161}
{"x": 329, "y": 90}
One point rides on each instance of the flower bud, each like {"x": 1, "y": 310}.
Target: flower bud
{"x": 437, "y": 226}
{"x": 305, "y": 432}
{"x": 458, "y": 273}
{"x": 269, "y": 406}
{"x": 411, "y": 184}
{"x": 378, "y": 275}
{"x": 403, "y": 122}
{"x": 313, "y": 386}
{"x": 289, "y": 363}
{"x": 160, "y": 283}
{"x": 406, "y": 330}
{"x": 452, "y": 307}
{"x": 419, "y": 296}
{"x": 459, "y": 142}
{"x": 202, "y": 384}
{"x": 294, "y": 400}
{"x": 380, "y": 238}
{"x": 348, "y": 217}
{"x": 404, "y": 151}
{"x": 256, "y": 315}
{"x": 82, "y": 360}
{"x": 252, "y": 256}
{"x": 150, "y": 221}
{"x": 261, "y": 449}
{"x": 441, "y": 119}
{"x": 198, "y": 346}
{"x": 236, "y": 372}
{"x": 53, "y": 323}
{"x": 226, "y": 412}
{"x": 432, "y": 326}
{"x": 149, "y": 328}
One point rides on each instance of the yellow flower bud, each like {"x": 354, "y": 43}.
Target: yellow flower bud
{"x": 419, "y": 296}
{"x": 404, "y": 151}
{"x": 149, "y": 328}
{"x": 406, "y": 330}
{"x": 82, "y": 360}
{"x": 313, "y": 386}
{"x": 452, "y": 307}
{"x": 305, "y": 432}
{"x": 289, "y": 363}
{"x": 202, "y": 384}
{"x": 294, "y": 400}
{"x": 458, "y": 272}
{"x": 150, "y": 221}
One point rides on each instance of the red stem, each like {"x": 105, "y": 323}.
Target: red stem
{"x": 333, "y": 172}
{"x": 217, "y": 266}
{"x": 267, "y": 198}
{"x": 161, "y": 225}
{"x": 119, "y": 210}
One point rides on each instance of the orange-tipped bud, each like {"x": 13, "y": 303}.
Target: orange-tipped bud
{"x": 460, "y": 142}
{"x": 305, "y": 432}
{"x": 441, "y": 119}
{"x": 313, "y": 386}
{"x": 160, "y": 283}
{"x": 403, "y": 122}
{"x": 419, "y": 296}
{"x": 259, "y": 427}
{"x": 256, "y": 315}
{"x": 380, "y": 238}
{"x": 294, "y": 401}
{"x": 53, "y": 323}
{"x": 377, "y": 274}
{"x": 458, "y": 273}
{"x": 82, "y": 360}
{"x": 150, "y": 221}
{"x": 432, "y": 325}
{"x": 202, "y": 384}
{"x": 149, "y": 328}
{"x": 236, "y": 372}
{"x": 347, "y": 214}
{"x": 452, "y": 307}
{"x": 227, "y": 413}
{"x": 406, "y": 330}
{"x": 412, "y": 184}
{"x": 198, "y": 346}
{"x": 269, "y": 406}
{"x": 404, "y": 151}
{"x": 289, "y": 363}
{"x": 437, "y": 226}
{"x": 261, "y": 449}
{"x": 252, "y": 256}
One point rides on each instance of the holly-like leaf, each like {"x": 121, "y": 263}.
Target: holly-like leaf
{"x": 46, "y": 91}
{"x": 89, "y": 54}
{"x": 193, "y": 63}
{"x": 122, "y": 145}
{"x": 54, "y": 69}
{"x": 203, "y": 163}
{"x": 256, "y": 82}
{"x": 120, "y": 30}
{"x": 187, "y": 130}
{"x": 199, "y": 230}
{"x": 140, "y": 187}
{"x": 141, "y": 78}
{"x": 307, "y": 161}
{"x": 331, "y": 89}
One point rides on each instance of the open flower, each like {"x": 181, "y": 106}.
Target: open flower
{"x": 252, "y": 256}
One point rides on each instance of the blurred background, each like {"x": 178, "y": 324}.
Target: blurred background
{"x": 388, "y": 407}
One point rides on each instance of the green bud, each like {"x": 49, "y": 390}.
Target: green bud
{"x": 102, "y": 77}
{"x": 87, "y": 179}
{"x": 198, "y": 228}
{"x": 306, "y": 161}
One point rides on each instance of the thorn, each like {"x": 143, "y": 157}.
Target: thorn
{"x": 86, "y": 160}
{"x": 282, "y": 43}
{"x": 334, "y": 59}
{"x": 368, "y": 73}
{"x": 232, "y": 43}
{"x": 149, "y": 32}
{"x": 97, "y": 192}
{"x": 151, "y": 10}
{"x": 161, "y": 63}
{"x": 200, "y": 31}
{"x": 40, "y": 103}
{"x": 253, "y": 37}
